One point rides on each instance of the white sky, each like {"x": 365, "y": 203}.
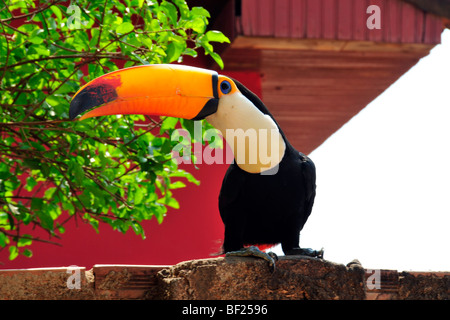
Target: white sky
{"x": 383, "y": 184}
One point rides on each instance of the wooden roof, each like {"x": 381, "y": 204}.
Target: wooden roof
{"x": 319, "y": 63}
{"x": 440, "y": 8}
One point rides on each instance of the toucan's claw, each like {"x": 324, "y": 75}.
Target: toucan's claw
{"x": 306, "y": 252}
{"x": 273, "y": 255}
{"x": 320, "y": 253}
{"x": 254, "y": 251}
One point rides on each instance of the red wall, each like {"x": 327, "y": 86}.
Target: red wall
{"x": 400, "y": 22}
{"x": 194, "y": 231}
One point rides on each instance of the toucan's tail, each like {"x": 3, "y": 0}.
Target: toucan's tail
{"x": 262, "y": 247}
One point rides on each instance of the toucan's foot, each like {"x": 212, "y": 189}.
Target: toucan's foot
{"x": 255, "y": 252}
{"x": 305, "y": 252}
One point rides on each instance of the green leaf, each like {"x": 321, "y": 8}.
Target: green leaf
{"x": 69, "y": 207}
{"x": 49, "y": 193}
{"x": 95, "y": 33}
{"x": 45, "y": 218}
{"x": 125, "y": 27}
{"x": 36, "y": 204}
{"x": 27, "y": 253}
{"x": 60, "y": 228}
{"x": 3, "y": 239}
{"x": 93, "y": 222}
{"x": 57, "y": 12}
{"x": 77, "y": 172}
{"x": 6, "y": 222}
{"x": 217, "y": 59}
{"x": 40, "y": 49}
{"x": 197, "y": 24}
{"x": 25, "y": 240}
{"x": 138, "y": 196}
{"x": 200, "y": 12}
{"x": 36, "y": 40}
{"x": 168, "y": 124}
{"x": 168, "y": 200}
{"x": 159, "y": 211}
{"x": 172, "y": 202}
{"x": 31, "y": 183}
{"x": 4, "y": 173}
{"x": 138, "y": 228}
{"x": 182, "y": 7}
{"x": 174, "y": 51}
{"x": 216, "y": 36}
{"x": 13, "y": 252}
{"x": 177, "y": 185}
{"x": 45, "y": 170}
{"x": 184, "y": 174}
{"x": 170, "y": 10}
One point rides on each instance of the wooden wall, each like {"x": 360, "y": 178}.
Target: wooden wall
{"x": 338, "y": 19}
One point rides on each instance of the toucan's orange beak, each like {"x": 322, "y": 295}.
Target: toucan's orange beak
{"x": 168, "y": 90}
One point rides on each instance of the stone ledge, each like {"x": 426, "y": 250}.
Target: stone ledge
{"x": 394, "y": 285}
{"x": 46, "y": 284}
{"x": 230, "y": 278}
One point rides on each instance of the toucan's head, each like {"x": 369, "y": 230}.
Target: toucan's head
{"x": 189, "y": 93}
{"x": 168, "y": 90}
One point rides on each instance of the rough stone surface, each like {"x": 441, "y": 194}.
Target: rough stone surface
{"x": 231, "y": 278}
{"x": 115, "y": 282}
{"x": 418, "y": 286}
{"x": 45, "y": 284}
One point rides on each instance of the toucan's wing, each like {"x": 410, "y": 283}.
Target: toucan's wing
{"x": 309, "y": 177}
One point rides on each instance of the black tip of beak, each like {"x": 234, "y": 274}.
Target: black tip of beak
{"x": 209, "y": 108}
{"x": 90, "y": 97}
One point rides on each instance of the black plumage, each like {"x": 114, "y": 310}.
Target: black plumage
{"x": 268, "y": 208}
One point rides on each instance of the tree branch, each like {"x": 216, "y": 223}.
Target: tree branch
{"x": 12, "y": 236}
{"x": 109, "y": 55}
{"x": 38, "y": 10}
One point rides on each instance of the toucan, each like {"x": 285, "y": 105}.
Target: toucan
{"x": 268, "y": 191}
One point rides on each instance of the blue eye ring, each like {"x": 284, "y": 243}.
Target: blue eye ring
{"x": 225, "y": 87}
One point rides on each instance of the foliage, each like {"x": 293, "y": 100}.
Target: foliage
{"x": 116, "y": 170}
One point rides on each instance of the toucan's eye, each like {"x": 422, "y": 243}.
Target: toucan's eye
{"x": 225, "y": 87}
